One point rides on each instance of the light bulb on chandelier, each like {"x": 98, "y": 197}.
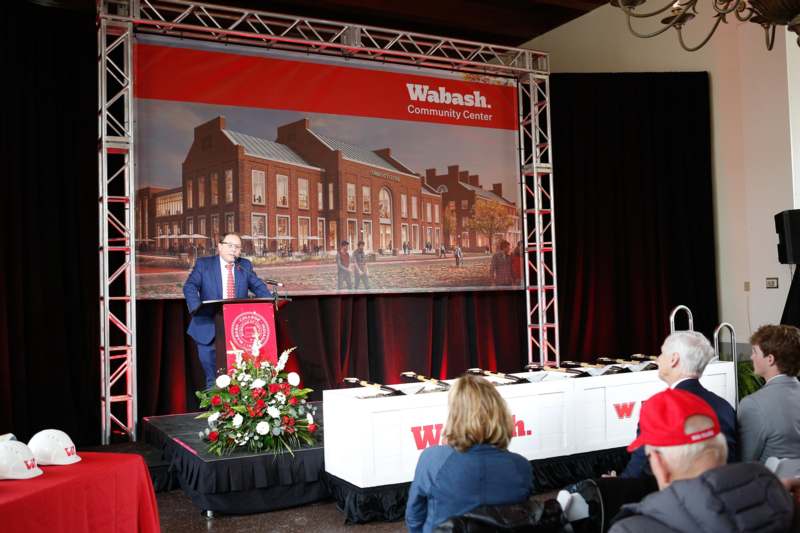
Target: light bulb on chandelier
{"x": 766, "y": 13}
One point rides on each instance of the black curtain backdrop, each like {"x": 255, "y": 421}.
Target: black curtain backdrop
{"x": 49, "y": 311}
{"x": 634, "y": 239}
{"x": 634, "y": 209}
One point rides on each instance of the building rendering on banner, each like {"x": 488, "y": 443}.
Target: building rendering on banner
{"x": 305, "y": 192}
{"x": 476, "y": 217}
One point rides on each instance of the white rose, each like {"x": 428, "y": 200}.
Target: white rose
{"x": 213, "y": 418}
{"x": 309, "y": 418}
{"x": 273, "y": 412}
{"x": 237, "y": 420}
{"x": 258, "y": 383}
{"x": 262, "y": 428}
{"x": 280, "y": 398}
{"x": 293, "y": 378}
{"x": 223, "y": 381}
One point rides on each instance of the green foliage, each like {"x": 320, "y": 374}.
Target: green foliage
{"x": 749, "y": 382}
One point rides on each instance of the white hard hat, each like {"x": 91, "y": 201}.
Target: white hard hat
{"x": 17, "y": 461}
{"x": 53, "y": 447}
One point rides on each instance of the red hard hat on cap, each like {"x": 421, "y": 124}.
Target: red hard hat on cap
{"x": 663, "y": 417}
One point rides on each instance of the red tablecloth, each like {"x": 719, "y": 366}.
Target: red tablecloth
{"x": 105, "y": 492}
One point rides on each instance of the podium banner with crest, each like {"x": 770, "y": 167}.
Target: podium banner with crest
{"x": 250, "y": 328}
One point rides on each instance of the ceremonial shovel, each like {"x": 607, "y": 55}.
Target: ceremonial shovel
{"x": 424, "y": 379}
{"x": 509, "y": 377}
{"x": 389, "y": 390}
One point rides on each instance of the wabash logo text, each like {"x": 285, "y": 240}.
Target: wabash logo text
{"x": 431, "y": 435}
{"x": 424, "y": 93}
{"x": 625, "y": 409}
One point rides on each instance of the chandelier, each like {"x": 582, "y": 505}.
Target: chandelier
{"x": 766, "y": 13}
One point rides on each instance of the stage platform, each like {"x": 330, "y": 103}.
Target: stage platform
{"x": 244, "y": 482}
{"x": 240, "y": 483}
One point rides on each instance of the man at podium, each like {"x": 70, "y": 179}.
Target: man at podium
{"x": 223, "y": 276}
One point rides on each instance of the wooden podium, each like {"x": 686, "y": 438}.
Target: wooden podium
{"x": 244, "y": 325}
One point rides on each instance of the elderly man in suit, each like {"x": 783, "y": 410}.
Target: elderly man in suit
{"x": 684, "y": 356}
{"x": 224, "y": 276}
{"x": 769, "y": 419}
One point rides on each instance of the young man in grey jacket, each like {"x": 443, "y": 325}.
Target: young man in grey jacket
{"x": 769, "y": 419}
{"x": 698, "y": 492}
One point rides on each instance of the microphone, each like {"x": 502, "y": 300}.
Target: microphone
{"x": 238, "y": 260}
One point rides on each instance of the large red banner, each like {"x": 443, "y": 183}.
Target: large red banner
{"x": 190, "y": 75}
{"x": 340, "y": 175}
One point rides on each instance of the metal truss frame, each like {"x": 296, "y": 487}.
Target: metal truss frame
{"x": 538, "y": 208}
{"x": 115, "y": 150}
{"x": 119, "y": 20}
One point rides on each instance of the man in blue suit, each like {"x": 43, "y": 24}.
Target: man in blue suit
{"x": 220, "y": 277}
{"x": 684, "y": 356}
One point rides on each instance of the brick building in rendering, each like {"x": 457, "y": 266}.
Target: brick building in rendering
{"x": 460, "y": 192}
{"x": 306, "y": 191}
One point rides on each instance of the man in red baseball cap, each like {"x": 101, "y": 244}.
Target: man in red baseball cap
{"x": 698, "y": 491}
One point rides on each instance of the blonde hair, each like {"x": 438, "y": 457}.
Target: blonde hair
{"x": 477, "y": 415}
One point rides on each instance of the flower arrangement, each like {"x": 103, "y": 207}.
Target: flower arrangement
{"x": 259, "y": 406}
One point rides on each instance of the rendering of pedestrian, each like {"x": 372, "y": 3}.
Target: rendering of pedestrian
{"x": 343, "y": 267}
{"x": 500, "y": 268}
{"x": 459, "y": 255}
{"x": 360, "y": 266}
{"x": 516, "y": 264}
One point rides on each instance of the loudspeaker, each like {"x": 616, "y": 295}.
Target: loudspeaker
{"x": 787, "y": 225}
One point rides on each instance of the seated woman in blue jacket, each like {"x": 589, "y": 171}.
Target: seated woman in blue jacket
{"x": 474, "y": 467}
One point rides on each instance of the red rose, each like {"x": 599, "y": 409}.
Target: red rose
{"x": 292, "y": 401}
{"x": 290, "y": 421}
{"x": 260, "y": 404}
{"x": 286, "y": 388}
{"x": 213, "y": 436}
{"x": 312, "y": 428}
{"x": 251, "y": 411}
{"x": 290, "y": 430}
{"x": 234, "y": 389}
{"x": 285, "y": 419}
{"x": 274, "y": 387}
{"x": 216, "y": 400}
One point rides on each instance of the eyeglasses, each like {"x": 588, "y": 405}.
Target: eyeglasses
{"x": 232, "y": 245}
